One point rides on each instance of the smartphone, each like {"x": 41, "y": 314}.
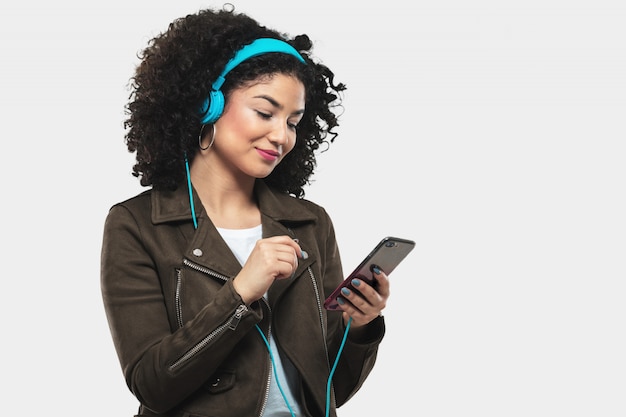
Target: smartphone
{"x": 387, "y": 254}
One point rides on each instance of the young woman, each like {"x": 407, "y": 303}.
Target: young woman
{"x": 214, "y": 278}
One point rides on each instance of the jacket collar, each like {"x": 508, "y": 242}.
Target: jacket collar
{"x": 174, "y": 206}
{"x": 279, "y": 213}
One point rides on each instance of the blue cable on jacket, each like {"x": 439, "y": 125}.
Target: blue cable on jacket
{"x": 193, "y": 209}
{"x": 269, "y": 349}
{"x": 332, "y": 371}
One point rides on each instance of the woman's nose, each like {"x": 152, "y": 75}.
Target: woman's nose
{"x": 280, "y": 134}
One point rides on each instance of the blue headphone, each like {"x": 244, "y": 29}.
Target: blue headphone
{"x": 213, "y": 105}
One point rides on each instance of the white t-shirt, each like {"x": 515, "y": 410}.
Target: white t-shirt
{"x": 241, "y": 242}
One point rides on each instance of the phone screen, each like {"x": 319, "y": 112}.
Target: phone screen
{"x": 387, "y": 254}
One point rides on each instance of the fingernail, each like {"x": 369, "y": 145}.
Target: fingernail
{"x": 345, "y": 291}
{"x": 303, "y": 253}
{"x": 356, "y": 282}
{"x": 376, "y": 270}
{"x": 340, "y": 301}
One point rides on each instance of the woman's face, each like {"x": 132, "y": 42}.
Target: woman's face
{"x": 258, "y": 126}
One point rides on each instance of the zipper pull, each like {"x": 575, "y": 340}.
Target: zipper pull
{"x": 234, "y": 321}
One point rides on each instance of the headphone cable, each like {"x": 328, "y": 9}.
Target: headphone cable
{"x": 332, "y": 371}
{"x": 345, "y": 333}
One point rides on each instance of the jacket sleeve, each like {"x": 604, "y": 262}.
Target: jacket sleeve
{"x": 135, "y": 306}
{"x": 357, "y": 361}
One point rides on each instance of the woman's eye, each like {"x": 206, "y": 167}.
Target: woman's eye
{"x": 267, "y": 116}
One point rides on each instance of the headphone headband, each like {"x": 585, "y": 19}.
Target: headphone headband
{"x": 213, "y": 105}
{"x": 258, "y": 47}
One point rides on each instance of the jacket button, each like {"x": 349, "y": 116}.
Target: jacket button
{"x": 197, "y": 252}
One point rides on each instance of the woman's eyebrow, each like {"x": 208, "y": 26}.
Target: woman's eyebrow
{"x": 276, "y": 103}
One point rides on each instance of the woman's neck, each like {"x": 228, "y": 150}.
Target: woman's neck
{"x": 229, "y": 202}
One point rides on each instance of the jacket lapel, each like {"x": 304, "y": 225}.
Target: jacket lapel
{"x": 279, "y": 215}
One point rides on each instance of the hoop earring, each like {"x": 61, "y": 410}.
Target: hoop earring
{"x": 212, "y": 138}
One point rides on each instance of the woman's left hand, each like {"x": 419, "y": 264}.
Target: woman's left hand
{"x": 366, "y": 306}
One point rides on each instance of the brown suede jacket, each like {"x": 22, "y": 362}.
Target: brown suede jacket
{"x": 187, "y": 343}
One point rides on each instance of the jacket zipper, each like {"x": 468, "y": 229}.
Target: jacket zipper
{"x": 179, "y": 307}
{"x": 321, "y": 317}
{"x": 235, "y": 318}
{"x": 319, "y": 311}
{"x": 231, "y": 323}
{"x": 204, "y": 270}
{"x": 179, "y": 283}
{"x": 269, "y": 373}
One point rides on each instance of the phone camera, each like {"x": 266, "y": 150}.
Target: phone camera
{"x": 390, "y": 244}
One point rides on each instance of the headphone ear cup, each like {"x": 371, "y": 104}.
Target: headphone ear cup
{"x": 214, "y": 106}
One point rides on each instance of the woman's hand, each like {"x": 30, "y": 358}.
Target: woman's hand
{"x": 272, "y": 258}
{"x": 366, "y": 306}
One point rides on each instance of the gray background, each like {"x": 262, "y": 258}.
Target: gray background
{"x": 490, "y": 132}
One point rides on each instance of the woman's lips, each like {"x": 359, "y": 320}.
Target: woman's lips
{"x": 268, "y": 155}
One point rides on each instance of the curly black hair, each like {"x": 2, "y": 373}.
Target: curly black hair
{"x": 175, "y": 75}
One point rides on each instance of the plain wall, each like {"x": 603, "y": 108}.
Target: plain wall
{"x": 490, "y": 132}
